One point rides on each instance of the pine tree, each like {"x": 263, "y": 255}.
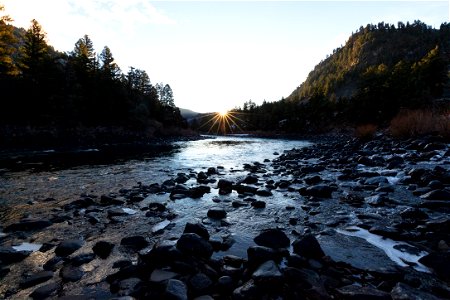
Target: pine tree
{"x": 7, "y": 41}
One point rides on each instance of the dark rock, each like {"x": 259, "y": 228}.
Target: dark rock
{"x": 245, "y": 189}
{"x": 53, "y": 263}
{"x": 353, "y": 292}
{"x": 116, "y": 212}
{"x": 129, "y": 286}
{"x": 435, "y": 185}
{"x": 182, "y": 178}
{"x": 267, "y": 273}
{"x": 78, "y": 204}
{"x": 377, "y": 200}
{"x": 308, "y": 246}
{"x": 109, "y": 200}
{"x": 156, "y": 207}
{"x": 217, "y": 213}
{"x": 202, "y": 176}
{"x": 385, "y": 231}
{"x": 225, "y": 184}
{"x": 259, "y": 254}
{"x": 437, "y": 195}
{"x": 251, "y": 179}
{"x": 211, "y": 171}
{"x": 175, "y": 290}
{"x": 320, "y": 191}
{"x": 195, "y": 245}
{"x": 28, "y": 225}
{"x": 200, "y": 283}
{"x": 264, "y": 193}
{"x": 71, "y": 273}
{"x": 36, "y": 279}
{"x": 403, "y": 291}
{"x": 199, "y": 191}
{"x": 312, "y": 179}
{"x": 439, "y": 262}
{"x": 159, "y": 275}
{"x": 272, "y": 238}
{"x": 67, "y": 247}
{"x": 225, "y": 284}
{"x": 258, "y": 204}
{"x": 82, "y": 259}
{"x": 9, "y": 255}
{"x": 45, "y": 291}
{"x": 103, "y": 249}
{"x": 197, "y": 228}
{"x": 247, "y": 291}
{"x": 413, "y": 213}
{"x": 238, "y": 203}
{"x": 136, "y": 242}
{"x": 376, "y": 180}
{"x": 136, "y": 198}
{"x": 308, "y": 281}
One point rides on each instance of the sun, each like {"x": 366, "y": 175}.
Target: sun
{"x": 223, "y": 113}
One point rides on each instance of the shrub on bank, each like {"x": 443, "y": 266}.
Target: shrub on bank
{"x": 410, "y": 123}
{"x": 366, "y": 131}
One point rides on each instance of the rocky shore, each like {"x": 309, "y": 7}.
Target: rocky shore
{"x": 342, "y": 219}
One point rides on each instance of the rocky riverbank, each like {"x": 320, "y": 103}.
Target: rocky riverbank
{"x": 343, "y": 219}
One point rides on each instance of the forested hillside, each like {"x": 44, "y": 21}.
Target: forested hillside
{"x": 380, "y": 70}
{"x": 41, "y": 86}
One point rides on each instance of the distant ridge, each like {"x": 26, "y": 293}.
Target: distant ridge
{"x": 188, "y": 114}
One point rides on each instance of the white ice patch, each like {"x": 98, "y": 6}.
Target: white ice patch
{"x": 2, "y": 234}
{"x": 160, "y": 226}
{"x": 387, "y": 245}
{"x": 129, "y": 211}
{"x": 393, "y": 180}
{"x": 27, "y": 247}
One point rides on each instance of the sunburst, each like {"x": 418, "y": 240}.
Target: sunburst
{"x": 224, "y": 122}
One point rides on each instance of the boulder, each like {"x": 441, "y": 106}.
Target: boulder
{"x": 103, "y": 249}
{"x": 272, "y": 238}
{"x": 67, "y": 247}
{"x": 308, "y": 246}
{"x": 267, "y": 273}
{"x": 319, "y": 190}
{"x": 71, "y": 273}
{"x": 45, "y": 291}
{"x": 217, "y": 213}
{"x": 195, "y": 245}
{"x": 197, "y": 228}
{"x": 175, "y": 290}
{"x": 28, "y": 225}
{"x": 36, "y": 279}
{"x": 437, "y": 195}
{"x": 9, "y": 255}
{"x": 136, "y": 242}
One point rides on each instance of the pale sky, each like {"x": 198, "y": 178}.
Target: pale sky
{"x": 217, "y": 54}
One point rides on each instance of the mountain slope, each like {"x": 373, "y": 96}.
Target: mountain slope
{"x": 373, "y": 50}
{"x": 381, "y": 69}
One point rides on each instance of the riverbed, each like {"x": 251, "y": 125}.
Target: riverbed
{"x": 378, "y": 207}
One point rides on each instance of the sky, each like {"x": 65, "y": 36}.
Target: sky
{"x": 217, "y": 54}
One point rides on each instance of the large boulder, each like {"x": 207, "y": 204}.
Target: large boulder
{"x": 67, "y": 247}
{"x": 272, "y": 238}
{"x": 195, "y": 245}
{"x": 308, "y": 246}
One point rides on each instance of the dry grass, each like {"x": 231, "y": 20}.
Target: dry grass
{"x": 410, "y": 123}
{"x": 366, "y": 131}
